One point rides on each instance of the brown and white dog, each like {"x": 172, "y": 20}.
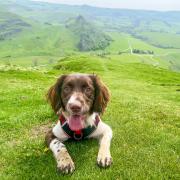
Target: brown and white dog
{"x": 80, "y": 99}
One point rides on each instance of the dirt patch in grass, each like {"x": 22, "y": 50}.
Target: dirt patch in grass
{"x": 34, "y": 133}
{"x": 40, "y": 130}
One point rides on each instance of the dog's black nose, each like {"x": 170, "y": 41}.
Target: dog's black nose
{"x": 75, "y": 108}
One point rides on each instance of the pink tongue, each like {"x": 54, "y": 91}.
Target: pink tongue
{"x": 75, "y": 123}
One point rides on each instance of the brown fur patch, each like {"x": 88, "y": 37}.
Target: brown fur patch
{"x": 49, "y": 137}
{"x": 102, "y": 95}
{"x": 54, "y": 94}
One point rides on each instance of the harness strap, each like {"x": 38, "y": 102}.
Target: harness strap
{"x": 80, "y": 134}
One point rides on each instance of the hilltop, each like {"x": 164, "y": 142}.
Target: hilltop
{"x": 89, "y": 37}
{"x": 10, "y": 25}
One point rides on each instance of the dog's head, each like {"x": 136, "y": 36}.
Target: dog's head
{"x": 78, "y": 96}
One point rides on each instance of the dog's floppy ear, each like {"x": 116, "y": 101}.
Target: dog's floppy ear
{"x": 102, "y": 95}
{"x": 54, "y": 94}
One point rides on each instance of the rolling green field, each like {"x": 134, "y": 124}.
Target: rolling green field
{"x": 143, "y": 113}
{"x": 38, "y": 41}
{"x": 46, "y": 50}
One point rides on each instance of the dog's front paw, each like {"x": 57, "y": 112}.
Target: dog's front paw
{"x": 104, "y": 161}
{"x": 65, "y": 163}
{"x": 66, "y": 168}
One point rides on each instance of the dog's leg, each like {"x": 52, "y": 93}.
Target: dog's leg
{"x": 104, "y": 134}
{"x": 104, "y": 156}
{"x": 63, "y": 159}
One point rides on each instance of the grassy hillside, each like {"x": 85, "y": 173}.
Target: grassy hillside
{"x": 119, "y": 43}
{"x": 161, "y": 39}
{"x": 89, "y": 37}
{"x": 11, "y": 25}
{"x": 39, "y": 40}
{"x": 43, "y": 45}
{"x": 143, "y": 113}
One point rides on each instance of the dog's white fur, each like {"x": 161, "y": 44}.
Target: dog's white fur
{"x": 103, "y": 133}
{"x": 73, "y": 100}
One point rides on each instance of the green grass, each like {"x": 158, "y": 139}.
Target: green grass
{"x": 165, "y": 58}
{"x": 162, "y": 39}
{"x": 40, "y": 40}
{"x": 119, "y": 43}
{"x": 143, "y": 113}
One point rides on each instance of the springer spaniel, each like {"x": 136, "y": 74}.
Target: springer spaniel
{"x": 79, "y": 99}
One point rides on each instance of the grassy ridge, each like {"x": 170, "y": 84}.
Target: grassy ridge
{"x": 143, "y": 113}
{"x": 88, "y": 36}
{"x": 11, "y": 24}
{"x": 39, "y": 41}
{"x": 162, "y": 39}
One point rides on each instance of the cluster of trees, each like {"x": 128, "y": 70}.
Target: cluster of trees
{"x": 138, "y": 51}
{"x": 90, "y": 37}
{"x": 103, "y": 54}
{"x": 91, "y": 42}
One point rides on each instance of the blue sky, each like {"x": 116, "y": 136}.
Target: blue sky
{"x": 162, "y": 5}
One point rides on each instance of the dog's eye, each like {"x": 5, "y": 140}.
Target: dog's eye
{"x": 87, "y": 90}
{"x": 67, "y": 89}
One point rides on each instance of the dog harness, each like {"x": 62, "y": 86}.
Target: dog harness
{"x": 80, "y": 134}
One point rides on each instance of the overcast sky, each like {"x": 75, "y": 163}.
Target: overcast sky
{"x": 129, "y": 4}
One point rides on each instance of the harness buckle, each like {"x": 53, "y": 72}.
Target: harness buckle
{"x": 78, "y": 136}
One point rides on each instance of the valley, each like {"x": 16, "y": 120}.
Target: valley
{"x": 28, "y": 33}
